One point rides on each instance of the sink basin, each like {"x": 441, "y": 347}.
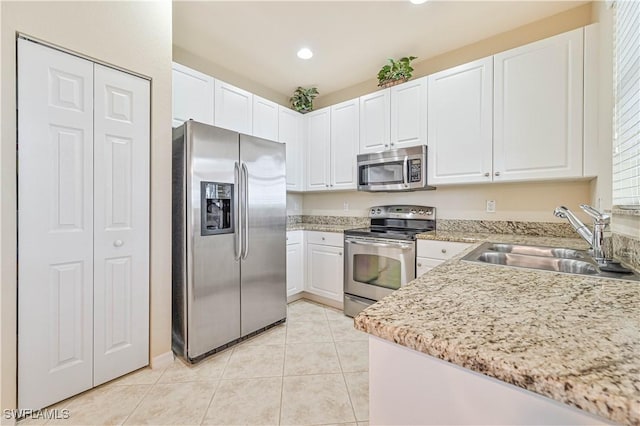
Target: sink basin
{"x": 553, "y": 259}
{"x": 557, "y": 264}
{"x": 537, "y": 251}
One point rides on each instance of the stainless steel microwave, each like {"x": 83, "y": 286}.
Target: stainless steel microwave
{"x": 394, "y": 170}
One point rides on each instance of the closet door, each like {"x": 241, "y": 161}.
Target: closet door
{"x": 121, "y": 224}
{"x": 55, "y": 225}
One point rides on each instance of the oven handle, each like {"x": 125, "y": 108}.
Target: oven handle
{"x": 369, "y": 243}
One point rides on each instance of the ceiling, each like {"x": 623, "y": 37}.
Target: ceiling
{"x": 350, "y": 40}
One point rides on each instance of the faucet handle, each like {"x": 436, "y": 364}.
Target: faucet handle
{"x": 595, "y": 214}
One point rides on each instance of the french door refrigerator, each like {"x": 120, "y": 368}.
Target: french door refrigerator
{"x": 229, "y": 237}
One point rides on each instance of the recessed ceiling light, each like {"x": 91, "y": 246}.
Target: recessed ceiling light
{"x": 305, "y": 53}
{"x": 418, "y": 1}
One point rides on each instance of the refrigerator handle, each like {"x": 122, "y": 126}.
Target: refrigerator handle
{"x": 237, "y": 250}
{"x": 245, "y": 208}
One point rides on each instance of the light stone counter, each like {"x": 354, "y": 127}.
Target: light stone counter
{"x": 575, "y": 339}
{"x": 480, "y": 237}
{"x": 322, "y": 227}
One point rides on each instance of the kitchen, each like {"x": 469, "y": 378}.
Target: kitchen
{"x": 151, "y": 28}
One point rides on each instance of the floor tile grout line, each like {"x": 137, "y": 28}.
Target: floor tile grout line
{"x": 138, "y": 404}
{"x": 344, "y": 379}
{"x": 213, "y": 394}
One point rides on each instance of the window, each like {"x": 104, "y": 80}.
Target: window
{"x": 626, "y": 138}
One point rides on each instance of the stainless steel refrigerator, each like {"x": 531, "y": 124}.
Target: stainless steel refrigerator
{"x": 229, "y": 237}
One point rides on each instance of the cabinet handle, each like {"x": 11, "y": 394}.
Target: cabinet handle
{"x": 444, "y": 250}
{"x": 393, "y": 143}
{"x": 487, "y": 174}
{"x": 322, "y": 238}
{"x": 497, "y": 173}
{"x": 326, "y": 184}
{"x": 118, "y": 243}
{"x": 386, "y": 146}
{"x": 419, "y": 264}
{"x": 340, "y": 253}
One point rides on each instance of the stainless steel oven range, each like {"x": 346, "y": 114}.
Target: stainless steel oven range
{"x": 382, "y": 258}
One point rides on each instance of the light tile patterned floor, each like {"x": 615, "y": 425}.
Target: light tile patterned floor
{"x": 313, "y": 370}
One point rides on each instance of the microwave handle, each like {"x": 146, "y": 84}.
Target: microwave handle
{"x": 405, "y": 172}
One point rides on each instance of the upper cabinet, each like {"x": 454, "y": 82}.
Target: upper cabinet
{"x": 332, "y": 146}
{"x": 192, "y": 94}
{"x": 460, "y": 124}
{"x": 344, "y": 144}
{"x": 538, "y": 110}
{"x": 290, "y": 132}
{"x": 265, "y": 118}
{"x": 233, "y": 108}
{"x": 394, "y": 118}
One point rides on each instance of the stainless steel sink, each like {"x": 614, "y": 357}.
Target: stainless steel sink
{"x": 557, "y": 264}
{"x": 537, "y": 251}
{"x": 553, "y": 259}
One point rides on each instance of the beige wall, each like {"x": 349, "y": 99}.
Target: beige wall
{"x": 514, "y": 201}
{"x": 562, "y": 22}
{"x": 131, "y": 35}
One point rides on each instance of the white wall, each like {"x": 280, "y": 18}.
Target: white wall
{"x": 131, "y": 35}
{"x": 514, "y": 201}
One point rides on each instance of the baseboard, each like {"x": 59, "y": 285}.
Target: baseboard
{"x": 162, "y": 361}
{"x": 318, "y": 299}
{"x": 295, "y": 297}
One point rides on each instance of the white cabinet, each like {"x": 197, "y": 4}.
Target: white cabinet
{"x": 291, "y": 133}
{"x": 318, "y": 131}
{"x": 265, "y": 118}
{"x": 233, "y": 108}
{"x": 394, "y": 118}
{"x": 295, "y": 262}
{"x": 332, "y": 145}
{"x": 325, "y": 264}
{"x": 430, "y": 253}
{"x": 83, "y": 235}
{"x": 192, "y": 94}
{"x": 344, "y": 145}
{"x": 538, "y": 95}
{"x": 375, "y": 121}
{"x": 460, "y": 124}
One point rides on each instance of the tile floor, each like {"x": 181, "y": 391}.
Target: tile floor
{"x": 313, "y": 370}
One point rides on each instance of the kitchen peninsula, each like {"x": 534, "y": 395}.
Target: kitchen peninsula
{"x": 573, "y": 339}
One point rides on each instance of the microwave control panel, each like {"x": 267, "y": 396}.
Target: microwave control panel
{"x": 415, "y": 170}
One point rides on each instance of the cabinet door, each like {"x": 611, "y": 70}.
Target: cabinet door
{"x": 233, "y": 108}
{"x": 121, "y": 224}
{"x": 409, "y": 114}
{"x": 265, "y": 118}
{"x": 375, "y": 116}
{"x": 345, "y": 131}
{"x": 460, "y": 124}
{"x": 318, "y": 149}
{"x": 295, "y": 269}
{"x": 290, "y": 133}
{"x": 55, "y": 225}
{"x": 192, "y": 94}
{"x": 325, "y": 270}
{"x": 538, "y": 109}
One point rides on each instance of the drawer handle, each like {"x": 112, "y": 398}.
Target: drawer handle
{"x": 322, "y": 238}
{"x": 444, "y": 250}
{"x": 118, "y": 243}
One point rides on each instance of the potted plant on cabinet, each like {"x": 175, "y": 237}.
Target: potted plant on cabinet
{"x": 302, "y": 99}
{"x": 396, "y": 72}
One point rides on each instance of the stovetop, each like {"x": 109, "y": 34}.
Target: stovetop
{"x": 399, "y": 222}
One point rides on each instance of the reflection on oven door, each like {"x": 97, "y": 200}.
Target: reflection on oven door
{"x": 377, "y": 270}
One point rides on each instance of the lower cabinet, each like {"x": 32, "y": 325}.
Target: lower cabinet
{"x": 430, "y": 254}
{"x": 325, "y": 264}
{"x": 295, "y": 262}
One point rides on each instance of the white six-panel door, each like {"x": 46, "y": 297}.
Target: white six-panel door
{"x": 83, "y": 224}
{"x": 55, "y": 225}
{"x": 121, "y": 224}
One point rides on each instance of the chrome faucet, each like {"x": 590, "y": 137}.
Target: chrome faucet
{"x": 595, "y": 238}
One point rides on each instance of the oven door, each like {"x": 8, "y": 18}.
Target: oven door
{"x": 375, "y": 267}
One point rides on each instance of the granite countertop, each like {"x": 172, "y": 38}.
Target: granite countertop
{"x": 575, "y": 339}
{"x": 480, "y": 237}
{"x": 322, "y": 227}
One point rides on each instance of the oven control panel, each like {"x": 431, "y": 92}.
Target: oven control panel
{"x": 402, "y": 212}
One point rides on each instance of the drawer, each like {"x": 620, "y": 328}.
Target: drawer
{"x": 425, "y": 264}
{"x": 439, "y": 249}
{"x": 326, "y": 238}
{"x": 294, "y": 237}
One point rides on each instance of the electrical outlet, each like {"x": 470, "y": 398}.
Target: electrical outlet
{"x": 491, "y": 206}
{"x": 345, "y": 206}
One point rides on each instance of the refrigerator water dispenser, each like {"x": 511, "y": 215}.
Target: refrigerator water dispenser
{"x": 216, "y": 208}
